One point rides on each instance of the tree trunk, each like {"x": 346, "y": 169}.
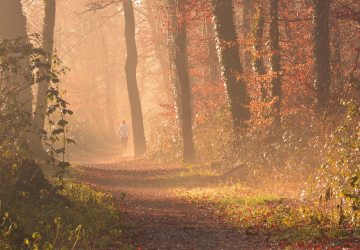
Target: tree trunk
{"x": 130, "y": 70}
{"x": 173, "y": 75}
{"x": 183, "y": 75}
{"x": 258, "y": 48}
{"x": 322, "y": 51}
{"x": 108, "y": 106}
{"x": 232, "y": 69}
{"x": 275, "y": 61}
{"x": 12, "y": 19}
{"x": 247, "y": 13}
{"x": 12, "y": 26}
{"x": 48, "y": 40}
{"x": 337, "y": 61}
{"x": 211, "y": 68}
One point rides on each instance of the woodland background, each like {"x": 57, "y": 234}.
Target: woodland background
{"x": 264, "y": 92}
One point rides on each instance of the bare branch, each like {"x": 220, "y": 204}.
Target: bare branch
{"x": 94, "y": 6}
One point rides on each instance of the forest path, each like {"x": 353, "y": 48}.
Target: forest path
{"x": 162, "y": 220}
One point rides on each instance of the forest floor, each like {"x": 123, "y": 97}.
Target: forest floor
{"x": 162, "y": 220}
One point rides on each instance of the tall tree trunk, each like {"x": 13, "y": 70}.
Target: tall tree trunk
{"x": 12, "y": 26}
{"x": 232, "y": 69}
{"x": 211, "y": 68}
{"x": 322, "y": 51}
{"x": 108, "y": 106}
{"x": 275, "y": 60}
{"x": 337, "y": 61}
{"x": 172, "y": 52}
{"x": 213, "y": 60}
{"x": 258, "y": 48}
{"x": 130, "y": 70}
{"x": 47, "y": 44}
{"x": 247, "y": 13}
{"x": 183, "y": 74}
{"x": 12, "y": 19}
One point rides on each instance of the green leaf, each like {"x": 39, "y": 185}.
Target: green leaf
{"x": 57, "y": 131}
{"x": 62, "y": 123}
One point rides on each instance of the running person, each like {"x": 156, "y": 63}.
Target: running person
{"x": 124, "y": 132}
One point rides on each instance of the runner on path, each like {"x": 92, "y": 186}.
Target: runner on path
{"x": 124, "y": 132}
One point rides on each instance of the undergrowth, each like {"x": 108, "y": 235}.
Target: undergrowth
{"x": 69, "y": 215}
{"x": 321, "y": 159}
{"x": 277, "y": 216}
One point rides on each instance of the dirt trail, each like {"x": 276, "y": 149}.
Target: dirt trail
{"x": 162, "y": 221}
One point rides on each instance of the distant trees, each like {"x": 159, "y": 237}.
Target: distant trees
{"x": 108, "y": 87}
{"x": 130, "y": 70}
{"x": 265, "y": 52}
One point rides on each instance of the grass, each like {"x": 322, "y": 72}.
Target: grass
{"x": 276, "y": 216}
{"x": 189, "y": 176}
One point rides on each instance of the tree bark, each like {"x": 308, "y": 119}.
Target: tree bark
{"x": 47, "y": 44}
{"x": 13, "y": 26}
{"x": 322, "y": 51}
{"x": 232, "y": 69}
{"x": 12, "y": 20}
{"x": 275, "y": 61}
{"x": 213, "y": 61}
{"x": 130, "y": 70}
{"x": 173, "y": 74}
{"x": 247, "y": 13}
{"x": 258, "y": 48}
{"x": 183, "y": 75}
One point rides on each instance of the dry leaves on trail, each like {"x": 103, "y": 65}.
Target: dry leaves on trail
{"x": 163, "y": 221}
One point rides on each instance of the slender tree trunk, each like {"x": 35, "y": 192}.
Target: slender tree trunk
{"x": 247, "y": 13}
{"x": 205, "y": 69}
{"x": 258, "y": 48}
{"x": 183, "y": 74}
{"x": 232, "y": 69}
{"x": 275, "y": 60}
{"x": 108, "y": 106}
{"x": 130, "y": 70}
{"x": 214, "y": 59}
{"x": 172, "y": 52}
{"x": 322, "y": 51}
{"x": 48, "y": 37}
{"x": 212, "y": 66}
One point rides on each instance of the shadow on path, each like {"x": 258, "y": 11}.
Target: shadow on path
{"x": 162, "y": 220}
